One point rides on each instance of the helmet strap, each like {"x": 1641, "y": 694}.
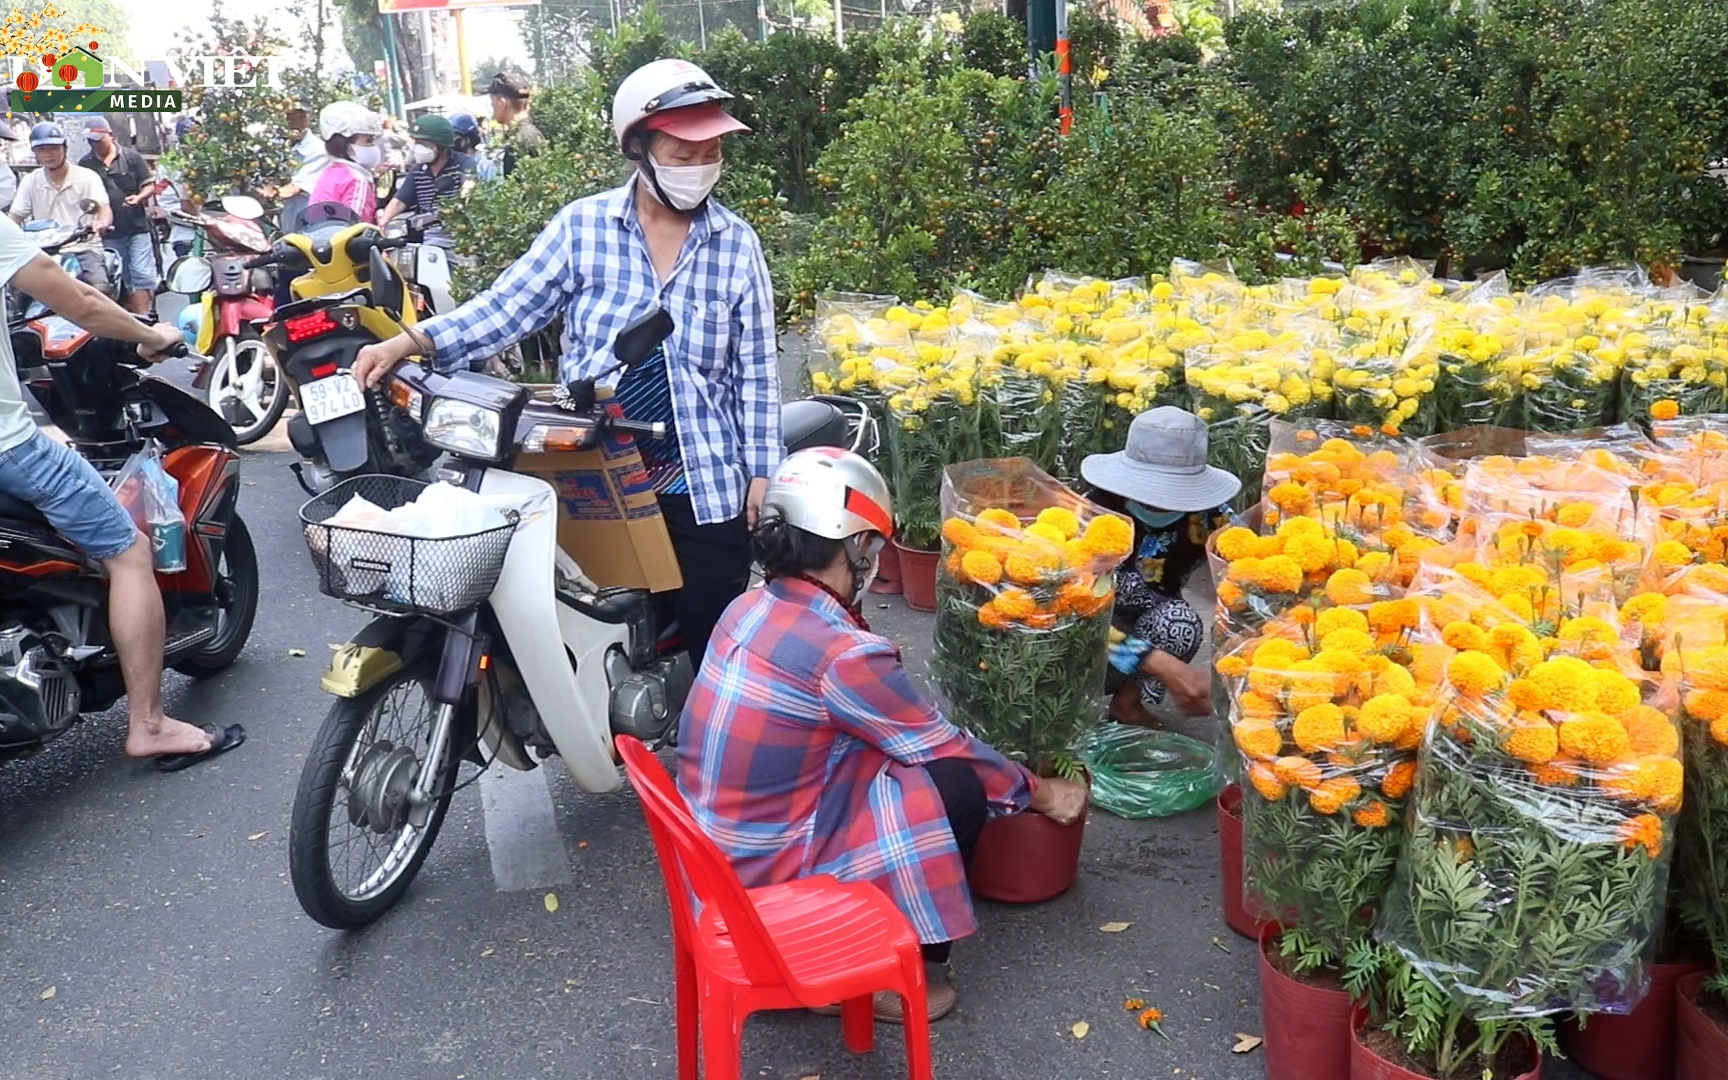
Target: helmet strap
{"x": 864, "y": 562}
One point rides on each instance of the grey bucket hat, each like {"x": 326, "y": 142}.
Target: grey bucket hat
{"x": 1164, "y": 465}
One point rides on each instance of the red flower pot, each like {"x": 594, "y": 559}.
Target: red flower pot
{"x": 1639, "y": 1045}
{"x": 1365, "y": 1064}
{"x": 887, "y": 581}
{"x": 1026, "y": 858}
{"x": 918, "y": 577}
{"x": 1306, "y": 1027}
{"x": 1240, "y": 912}
{"x": 1700, "y": 1044}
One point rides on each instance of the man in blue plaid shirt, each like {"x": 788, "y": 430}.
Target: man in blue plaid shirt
{"x": 658, "y": 241}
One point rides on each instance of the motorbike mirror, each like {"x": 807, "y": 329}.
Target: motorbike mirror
{"x": 582, "y": 395}
{"x": 637, "y": 342}
{"x": 386, "y": 285}
{"x": 242, "y": 206}
{"x": 88, "y": 205}
{"x": 190, "y": 275}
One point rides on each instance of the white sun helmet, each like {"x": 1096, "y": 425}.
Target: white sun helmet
{"x": 348, "y": 118}
{"x": 830, "y": 492}
{"x": 660, "y": 86}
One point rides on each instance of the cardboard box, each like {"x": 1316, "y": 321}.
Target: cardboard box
{"x": 608, "y": 517}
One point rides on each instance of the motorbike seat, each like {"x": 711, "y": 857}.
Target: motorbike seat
{"x": 16, "y": 509}
{"x": 804, "y": 424}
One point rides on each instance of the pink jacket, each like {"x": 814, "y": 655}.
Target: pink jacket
{"x": 347, "y": 183}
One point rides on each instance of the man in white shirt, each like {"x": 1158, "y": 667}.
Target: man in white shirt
{"x": 309, "y": 159}
{"x": 57, "y": 192}
{"x": 75, "y": 499}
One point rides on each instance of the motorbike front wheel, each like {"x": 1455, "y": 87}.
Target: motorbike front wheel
{"x": 246, "y": 386}
{"x": 352, "y": 848}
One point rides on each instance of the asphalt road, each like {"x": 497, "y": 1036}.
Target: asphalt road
{"x": 148, "y": 930}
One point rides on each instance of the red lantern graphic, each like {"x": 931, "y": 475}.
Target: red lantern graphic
{"x": 66, "y": 75}
{"x": 48, "y": 60}
{"x": 27, "y": 81}
{"x": 92, "y": 46}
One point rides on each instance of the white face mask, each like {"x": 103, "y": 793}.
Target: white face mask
{"x": 685, "y": 185}
{"x": 423, "y": 154}
{"x": 365, "y": 156}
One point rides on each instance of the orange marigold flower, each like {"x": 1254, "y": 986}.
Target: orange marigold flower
{"x": 1615, "y": 693}
{"x": 1061, "y": 519}
{"x": 1134, "y": 1004}
{"x": 1350, "y": 587}
{"x": 1594, "y": 737}
{"x": 1236, "y": 542}
{"x": 1645, "y": 831}
{"x": 981, "y": 567}
{"x": 1464, "y": 635}
{"x": 1266, "y": 782}
{"x": 1041, "y": 620}
{"x": 1258, "y": 738}
{"x": 1707, "y": 706}
{"x": 1016, "y": 604}
{"x": 1231, "y": 667}
{"x": 1375, "y": 565}
{"x": 1023, "y": 570}
{"x": 1391, "y": 616}
{"x": 1297, "y": 771}
{"x": 1258, "y": 706}
{"x": 1385, "y": 718}
{"x": 1655, "y": 780}
{"x": 1318, "y": 727}
{"x": 1650, "y": 731}
{"x": 1665, "y": 409}
{"x": 1474, "y": 674}
{"x": 1561, "y": 772}
{"x": 1231, "y": 595}
{"x": 1374, "y": 815}
{"x": 960, "y": 532}
{"x": 998, "y": 521}
{"x": 1533, "y": 740}
{"x": 1109, "y": 535}
{"x": 1351, "y": 642}
{"x": 1719, "y": 731}
{"x": 1399, "y": 779}
{"x": 1150, "y": 1018}
{"x": 991, "y": 617}
{"x": 955, "y": 565}
{"x": 1331, "y": 796}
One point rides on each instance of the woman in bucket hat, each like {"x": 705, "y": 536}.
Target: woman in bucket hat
{"x": 1162, "y": 481}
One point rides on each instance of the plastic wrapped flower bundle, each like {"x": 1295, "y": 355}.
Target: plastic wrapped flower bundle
{"x": 1358, "y": 482}
{"x": 930, "y": 423}
{"x": 1024, "y": 590}
{"x": 1676, "y": 363}
{"x": 1387, "y": 367}
{"x": 1703, "y": 844}
{"x": 1479, "y": 348}
{"x": 1328, "y": 706}
{"x": 1535, "y": 873}
{"x": 1572, "y": 363}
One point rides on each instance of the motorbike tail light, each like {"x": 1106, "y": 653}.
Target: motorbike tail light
{"x": 310, "y": 326}
{"x": 323, "y": 371}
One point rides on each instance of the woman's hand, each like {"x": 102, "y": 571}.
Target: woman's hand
{"x": 1189, "y": 689}
{"x": 376, "y": 360}
{"x": 1062, "y": 801}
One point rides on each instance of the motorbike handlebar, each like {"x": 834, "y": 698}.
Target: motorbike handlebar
{"x": 655, "y": 430}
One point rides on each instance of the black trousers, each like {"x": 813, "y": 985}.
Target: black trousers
{"x": 967, "y": 808}
{"x": 715, "y": 562}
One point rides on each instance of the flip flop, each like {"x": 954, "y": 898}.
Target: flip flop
{"x": 222, "y": 740}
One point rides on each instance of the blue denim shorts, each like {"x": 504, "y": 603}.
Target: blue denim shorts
{"x": 70, "y": 493}
{"x": 137, "y": 261}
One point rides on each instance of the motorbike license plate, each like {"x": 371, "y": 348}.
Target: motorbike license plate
{"x": 331, "y": 399}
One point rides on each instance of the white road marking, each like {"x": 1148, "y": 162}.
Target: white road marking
{"x": 521, "y": 830}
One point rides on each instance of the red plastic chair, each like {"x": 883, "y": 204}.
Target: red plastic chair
{"x": 803, "y": 944}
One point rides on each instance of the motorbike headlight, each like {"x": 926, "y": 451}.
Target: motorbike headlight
{"x": 462, "y": 428}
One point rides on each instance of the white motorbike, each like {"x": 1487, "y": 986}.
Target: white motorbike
{"x": 490, "y": 646}
{"x": 426, "y": 267}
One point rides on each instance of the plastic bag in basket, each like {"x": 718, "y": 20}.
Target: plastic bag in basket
{"x": 1146, "y": 773}
{"x": 1535, "y": 876}
{"x": 1024, "y": 598}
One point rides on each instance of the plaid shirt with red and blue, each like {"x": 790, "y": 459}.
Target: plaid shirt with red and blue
{"x": 799, "y": 753}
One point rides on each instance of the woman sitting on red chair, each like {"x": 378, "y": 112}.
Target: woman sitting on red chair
{"x": 806, "y": 748}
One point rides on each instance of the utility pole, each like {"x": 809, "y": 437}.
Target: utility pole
{"x": 839, "y": 32}
{"x": 1064, "y": 68}
{"x": 702, "y": 22}
{"x": 462, "y": 54}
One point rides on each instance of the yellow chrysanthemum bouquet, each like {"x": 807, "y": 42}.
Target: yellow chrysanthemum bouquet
{"x": 1676, "y": 364}
{"x": 1024, "y": 593}
{"x": 1574, "y": 352}
{"x": 1535, "y": 874}
{"x": 1328, "y": 706}
{"x": 1384, "y": 363}
{"x": 1479, "y": 345}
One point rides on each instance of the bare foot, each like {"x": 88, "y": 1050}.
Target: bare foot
{"x": 169, "y": 737}
{"x": 1126, "y": 707}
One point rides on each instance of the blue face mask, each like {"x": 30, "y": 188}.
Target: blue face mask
{"x": 1154, "y": 519}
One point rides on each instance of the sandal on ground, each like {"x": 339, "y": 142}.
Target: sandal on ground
{"x": 222, "y": 740}
{"x": 939, "y": 997}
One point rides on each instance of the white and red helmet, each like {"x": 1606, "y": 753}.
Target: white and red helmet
{"x": 832, "y": 493}
{"x": 674, "y": 96}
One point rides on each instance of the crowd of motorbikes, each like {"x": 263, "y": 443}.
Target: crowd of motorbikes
{"x": 515, "y": 656}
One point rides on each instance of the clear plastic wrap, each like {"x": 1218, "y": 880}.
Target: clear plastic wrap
{"x": 930, "y": 426}
{"x": 1024, "y": 593}
{"x": 1362, "y": 483}
{"x": 1327, "y": 709}
{"x": 1701, "y": 866}
{"x": 1301, "y": 561}
{"x": 1672, "y": 361}
{"x": 1535, "y": 875}
{"x": 1147, "y": 773}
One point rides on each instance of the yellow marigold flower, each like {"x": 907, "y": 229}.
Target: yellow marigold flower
{"x": 1594, "y": 737}
{"x": 1565, "y": 684}
{"x": 1665, "y": 409}
{"x": 1340, "y": 619}
{"x": 1533, "y": 740}
{"x": 1255, "y": 705}
{"x": 1574, "y": 515}
{"x": 1331, "y": 796}
{"x": 1615, "y": 693}
{"x": 1475, "y": 573}
{"x": 1650, "y": 732}
{"x": 1049, "y": 534}
{"x": 1312, "y": 553}
{"x": 1375, "y": 565}
{"x": 1318, "y": 728}
{"x": 1464, "y": 635}
{"x": 1023, "y": 570}
{"x": 1708, "y": 668}
{"x": 1648, "y": 608}
{"x": 1428, "y": 663}
{"x": 1385, "y": 718}
{"x": 1353, "y": 642}
{"x": 998, "y": 521}
{"x": 981, "y": 567}
{"x": 1399, "y": 779}
{"x": 1395, "y": 679}
{"x": 1279, "y": 574}
{"x": 1375, "y": 815}
{"x": 1109, "y": 535}
{"x": 1350, "y": 587}
{"x": 1236, "y": 543}
{"x": 1266, "y": 782}
{"x": 1061, "y": 520}
{"x": 960, "y": 532}
{"x": 1278, "y": 651}
{"x": 1671, "y": 555}
{"x": 1232, "y": 667}
{"x": 1655, "y": 780}
{"x": 1707, "y": 706}
{"x": 1391, "y": 616}
{"x": 1474, "y": 673}
{"x": 1643, "y": 831}
{"x": 1297, "y": 771}
{"x": 1292, "y": 499}
{"x": 1309, "y": 683}
{"x": 1016, "y": 604}
{"x": 1588, "y": 628}
{"x": 1259, "y": 738}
